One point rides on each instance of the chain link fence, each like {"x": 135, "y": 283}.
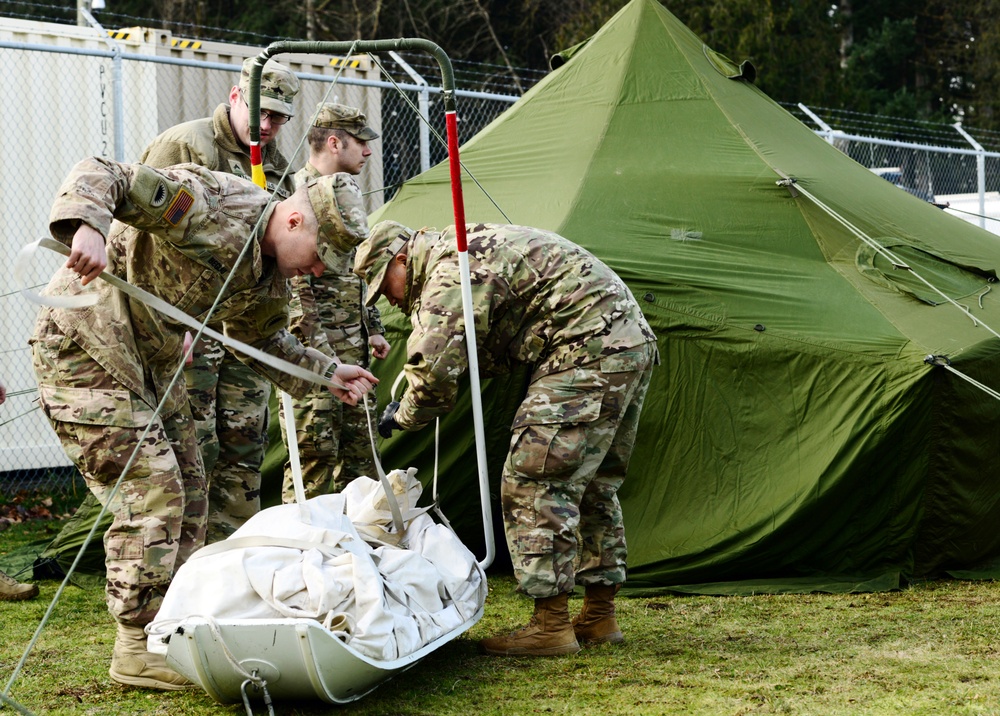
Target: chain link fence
{"x": 95, "y": 92}
{"x": 109, "y": 93}
{"x": 952, "y": 166}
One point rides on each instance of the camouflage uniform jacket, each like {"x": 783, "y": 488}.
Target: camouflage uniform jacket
{"x": 210, "y": 142}
{"x": 187, "y": 227}
{"x": 537, "y": 298}
{"x": 329, "y": 309}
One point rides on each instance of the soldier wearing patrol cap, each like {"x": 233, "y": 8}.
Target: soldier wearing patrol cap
{"x": 103, "y": 371}
{"x": 328, "y": 313}
{"x": 229, "y": 401}
{"x": 541, "y": 301}
{"x": 222, "y": 142}
{"x": 338, "y": 141}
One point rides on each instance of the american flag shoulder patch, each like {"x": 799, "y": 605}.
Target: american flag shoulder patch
{"x": 177, "y": 208}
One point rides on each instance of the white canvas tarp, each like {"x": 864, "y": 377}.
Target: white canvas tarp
{"x": 334, "y": 559}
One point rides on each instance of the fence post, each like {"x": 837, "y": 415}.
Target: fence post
{"x": 980, "y": 171}
{"x": 82, "y": 6}
{"x": 827, "y": 130}
{"x": 423, "y": 104}
{"x": 116, "y": 83}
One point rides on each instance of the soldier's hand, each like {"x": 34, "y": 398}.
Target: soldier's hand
{"x": 188, "y": 353}
{"x": 387, "y": 423}
{"x": 379, "y": 345}
{"x": 88, "y": 255}
{"x": 356, "y": 380}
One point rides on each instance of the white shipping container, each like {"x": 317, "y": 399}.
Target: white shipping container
{"x": 58, "y": 83}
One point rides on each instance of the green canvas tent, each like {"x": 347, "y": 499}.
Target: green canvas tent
{"x": 794, "y": 437}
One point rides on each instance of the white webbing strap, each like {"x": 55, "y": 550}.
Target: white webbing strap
{"x": 24, "y": 260}
{"x": 294, "y": 464}
{"x": 390, "y": 496}
{"x": 26, "y": 255}
{"x": 227, "y": 545}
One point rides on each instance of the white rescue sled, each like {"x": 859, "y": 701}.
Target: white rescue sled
{"x": 291, "y": 658}
{"x": 353, "y": 635}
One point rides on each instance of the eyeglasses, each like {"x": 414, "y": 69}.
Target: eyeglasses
{"x": 276, "y": 119}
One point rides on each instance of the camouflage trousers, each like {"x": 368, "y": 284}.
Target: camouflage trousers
{"x": 159, "y": 508}
{"x": 569, "y": 453}
{"x": 229, "y": 406}
{"x": 334, "y": 444}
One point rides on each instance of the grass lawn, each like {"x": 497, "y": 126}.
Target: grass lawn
{"x": 929, "y": 648}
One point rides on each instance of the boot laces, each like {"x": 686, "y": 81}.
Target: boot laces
{"x": 533, "y": 622}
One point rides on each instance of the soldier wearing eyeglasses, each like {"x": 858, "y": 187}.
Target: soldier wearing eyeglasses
{"x": 222, "y": 142}
{"x": 228, "y": 400}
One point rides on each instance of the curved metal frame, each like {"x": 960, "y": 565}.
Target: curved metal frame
{"x": 451, "y": 123}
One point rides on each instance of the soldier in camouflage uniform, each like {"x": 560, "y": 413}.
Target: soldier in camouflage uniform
{"x": 103, "y": 369}
{"x": 229, "y": 401}
{"x": 328, "y": 313}
{"x": 543, "y": 301}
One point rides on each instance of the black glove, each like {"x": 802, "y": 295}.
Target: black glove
{"x": 387, "y": 423}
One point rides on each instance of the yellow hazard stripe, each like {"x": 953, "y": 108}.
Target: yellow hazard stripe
{"x": 185, "y": 44}
{"x": 119, "y": 35}
{"x": 257, "y": 174}
{"x": 340, "y": 62}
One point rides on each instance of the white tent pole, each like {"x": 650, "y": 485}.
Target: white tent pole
{"x": 477, "y": 406}
{"x": 451, "y": 124}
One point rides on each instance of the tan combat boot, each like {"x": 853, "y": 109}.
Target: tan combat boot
{"x": 12, "y": 590}
{"x": 596, "y": 623}
{"x": 132, "y": 665}
{"x": 549, "y": 633}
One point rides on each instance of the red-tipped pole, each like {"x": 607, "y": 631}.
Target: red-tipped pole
{"x": 451, "y": 125}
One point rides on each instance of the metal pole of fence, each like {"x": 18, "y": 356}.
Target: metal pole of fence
{"x": 82, "y": 6}
{"x": 116, "y": 82}
{"x": 423, "y": 104}
{"x": 827, "y": 129}
{"x": 980, "y": 171}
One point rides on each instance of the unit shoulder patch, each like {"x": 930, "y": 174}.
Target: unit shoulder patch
{"x": 159, "y": 196}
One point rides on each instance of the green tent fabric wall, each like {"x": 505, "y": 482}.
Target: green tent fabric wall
{"x": 794, "y": 437}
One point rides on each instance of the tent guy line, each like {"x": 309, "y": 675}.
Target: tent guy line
{"x": 948, "y": 366}
{"x": 437, "y": 135}
{"x": 942, "y": 361}
{"x": 897, "y": 262}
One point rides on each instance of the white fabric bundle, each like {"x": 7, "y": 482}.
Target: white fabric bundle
{"x": 335, "y": 559}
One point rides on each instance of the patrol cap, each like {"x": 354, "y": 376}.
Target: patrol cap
{"x": 278, "y": 86}
{"x": 340, "y": 213}
{"x": 340, "y": 116}
{"x": 375, "y": 253}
